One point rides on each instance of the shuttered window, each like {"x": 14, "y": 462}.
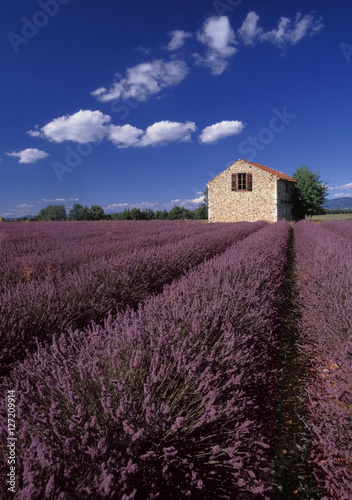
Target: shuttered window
{"x": 242, "y": 182}
{"x": 249, "y": 182}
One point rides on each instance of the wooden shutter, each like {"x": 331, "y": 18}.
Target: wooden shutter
{"x": 234, "y": 182}
{"x": 249, "y": 182}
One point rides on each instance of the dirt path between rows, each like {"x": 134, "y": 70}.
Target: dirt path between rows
{"x": 292, "y": 468}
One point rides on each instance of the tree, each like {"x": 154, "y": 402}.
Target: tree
{"x": 206, "y": 198}
{"x": 76, "y": 213}
{"x": 85, "y": 213}
{"x": 136, "y": 214}
{"x": 147, "y": 214}
{"x": 161, "y": 215}
{"x": 125, "y": 215}
{"x": 310, "y": 193}
{"x": 201, "y": 212}
{"x": 186, "y": 213}
{"x": 96, "y": 212}
{"x": 52, "y": 212}
{"x": 176, "y": 213}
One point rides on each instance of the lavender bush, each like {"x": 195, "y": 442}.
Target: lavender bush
{"x": 325, "y": 278}
{"x": 37, "y": 309}
{"x": 34, "y": 251}
{"x": 174, "y": 400}
{"x": 341, "y": 227}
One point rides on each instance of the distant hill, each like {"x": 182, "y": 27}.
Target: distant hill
{"x": 339, "y": 203}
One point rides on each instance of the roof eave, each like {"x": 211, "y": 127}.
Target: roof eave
{"x": 275, "y": 173}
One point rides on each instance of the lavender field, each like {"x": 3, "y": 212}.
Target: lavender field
{"x": 145, "y": 358}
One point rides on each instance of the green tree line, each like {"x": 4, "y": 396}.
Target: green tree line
{"x": 96, "y": 213}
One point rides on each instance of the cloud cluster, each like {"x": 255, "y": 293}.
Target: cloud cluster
{"x": 144, "y": 80}
{"x": 219, "y": 39}
{"x": 220, "y": 43}
{"x": 344, "y": 188}
{"x": 288, "y": 31}
{"x": 87, "y": 126}
{"x": 187, "y": 203}
{"x": 29, "y": 155}
{"x": 160, "y": 133}
{"x": 142, "y": 205}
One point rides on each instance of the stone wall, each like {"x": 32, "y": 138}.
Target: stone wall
{"x": 226, "y": 205}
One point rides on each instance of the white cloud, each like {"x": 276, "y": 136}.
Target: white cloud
{"x": 158, "y": 134}
{"x": 117, "y": 206}
{"x": 142, "y": 205}
{"x": 24, "y": 205}
{"x": 144, "y": 80}
{"x": 218, "y": 131}
{"x": 82, "y": 127}
{"x": 165, "y": 131}
{"x": 219, "y": 38}
{"x": 194, "y": 201}
{"x": 288, "y": 31}
{"x": 249, "y": 31}
{"x": 185, "y": 202}
{"x": 88, "y": 126}
{"x": 30, "y": 155}
{"x": 345, "y": 186}
{"x": 59, "y": 199}
{"x": 124, "y": 136}
{"x": 191, "y": 203}
{"x": 178, "y": 38}
{"x": 343, "y": 195}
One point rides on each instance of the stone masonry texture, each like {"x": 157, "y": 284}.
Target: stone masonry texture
{"x": 269, "y": 200}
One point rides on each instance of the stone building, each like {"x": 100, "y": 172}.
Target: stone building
{"x": 247, "y": 191}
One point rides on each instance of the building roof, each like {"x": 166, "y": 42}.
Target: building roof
{"x": 277, "y": 174}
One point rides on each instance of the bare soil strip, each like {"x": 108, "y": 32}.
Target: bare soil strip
{"x": 292, "y": 468}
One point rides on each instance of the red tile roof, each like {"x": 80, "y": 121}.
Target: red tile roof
{"x": 277, "y": 174}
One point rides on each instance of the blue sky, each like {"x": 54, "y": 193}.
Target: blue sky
{"x": 141, "y": 103}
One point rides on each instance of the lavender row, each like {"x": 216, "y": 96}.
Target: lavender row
{"x": 41, "y": 237}
{"x": 39, "y": 309}
{"x": 325, "y": 278}
{"x": 30, "y": 251}
{"x": 342, "y": 228}
{"x": 175, "y": 400}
